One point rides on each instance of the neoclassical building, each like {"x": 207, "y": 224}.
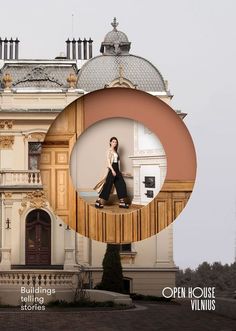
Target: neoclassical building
{"x": 35, "y": 243}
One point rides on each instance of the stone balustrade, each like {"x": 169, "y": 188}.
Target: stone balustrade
{"x": 20, "y": 178}
{"x": 37, "y": 278}
{"x": 20, "y": 287}
{"x": 49, "y": 284}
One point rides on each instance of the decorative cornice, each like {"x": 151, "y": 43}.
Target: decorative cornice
{"x": 6, "y": 124}
{"x": 37, "y": 73}
{"x": 35, "y": 136}
{"x": 36, "y": 199}
{"x": 121, "y": 82}
{"x": 6, "y": 142}
{"x": 8, "y": 195}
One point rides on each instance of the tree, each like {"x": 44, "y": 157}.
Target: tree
{"x": 203, "y": 274}
{"x": 112, "y": 278}
{"x": 222, "y": 277}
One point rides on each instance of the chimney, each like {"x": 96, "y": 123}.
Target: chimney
{"x": 17, "y": 49}
{"x": 83, "y": 51}
{"x": 68, "y": 48}
{"x": 5, "y": 48}
{"x": 85, "y": 48}
{"x": 73, "y": 49}
{"x": 90, "y": 48}
{"x": 79, "y": 49}
{"x": 9, "y": 49}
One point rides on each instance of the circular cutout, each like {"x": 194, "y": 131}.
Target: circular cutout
{"x": 151, "y": 112}
{"x": 139, "y": 157}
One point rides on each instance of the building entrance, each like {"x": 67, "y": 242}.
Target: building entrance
{"x": 38, "y": 238}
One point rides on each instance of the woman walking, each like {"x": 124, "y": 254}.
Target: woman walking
{"x": 114, "y": 177}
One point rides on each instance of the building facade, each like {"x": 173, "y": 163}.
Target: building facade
{"x": 36, "y": 245}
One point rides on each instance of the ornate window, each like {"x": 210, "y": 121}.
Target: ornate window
{"x": 34, "y": 150}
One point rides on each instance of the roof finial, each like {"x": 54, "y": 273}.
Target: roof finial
{"x": 114, "y": 23}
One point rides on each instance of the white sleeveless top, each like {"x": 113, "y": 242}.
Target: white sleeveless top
{"x": 115, "y": 157}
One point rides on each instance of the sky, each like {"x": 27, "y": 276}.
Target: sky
{"x": 192, "y": 43}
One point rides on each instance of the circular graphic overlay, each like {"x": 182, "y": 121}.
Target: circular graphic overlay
{"x": 151, "y": 113}
{"x": 138, "y": 161}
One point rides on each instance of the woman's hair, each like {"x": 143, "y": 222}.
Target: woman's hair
{"x": 114, "y": 138}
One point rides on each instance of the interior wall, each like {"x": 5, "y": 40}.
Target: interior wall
{"x": 88, "y": 160}
{"x": 155, "y": 115}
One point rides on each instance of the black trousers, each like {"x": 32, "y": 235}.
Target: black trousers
{"x": 117, "y": 180}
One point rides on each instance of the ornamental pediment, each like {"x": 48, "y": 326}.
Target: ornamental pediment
{"x": 38, "y": 73}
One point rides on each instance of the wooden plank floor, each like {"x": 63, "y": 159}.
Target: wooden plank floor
{"x": 112, "y": 208}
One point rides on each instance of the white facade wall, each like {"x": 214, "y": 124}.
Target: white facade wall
{"x": 155, "y": 252}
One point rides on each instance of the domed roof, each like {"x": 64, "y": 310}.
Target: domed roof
{"x": 101, "y": 70}
{"x": 117, "y": 63}
{"x": 116, "y": 36}
{"x": 115, "y": 42}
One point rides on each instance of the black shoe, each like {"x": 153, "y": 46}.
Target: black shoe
{"x": 98, "y": 204}
{"x": 123, "y": 205}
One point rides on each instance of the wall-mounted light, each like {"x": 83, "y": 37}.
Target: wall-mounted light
{"x": 8, "y": 222}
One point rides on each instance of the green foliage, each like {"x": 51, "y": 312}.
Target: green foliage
{"x": 222, "y": 277}
{"x": 112, "y": 278}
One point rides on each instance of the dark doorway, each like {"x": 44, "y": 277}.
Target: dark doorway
{"x": 127, "y": 285}
{"x": 38, "y": 238}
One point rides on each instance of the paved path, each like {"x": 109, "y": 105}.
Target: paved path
{"x": 147, "y": 316}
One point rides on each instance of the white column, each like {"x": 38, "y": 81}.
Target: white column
{"x": 69, "y": 262}
{"x": 164, "y": 248}
{"x": 6, "y": 236}
{"x": 87, "y": 250}
{"x": 170, "y": 250}
{"x": 83, "y": 249}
